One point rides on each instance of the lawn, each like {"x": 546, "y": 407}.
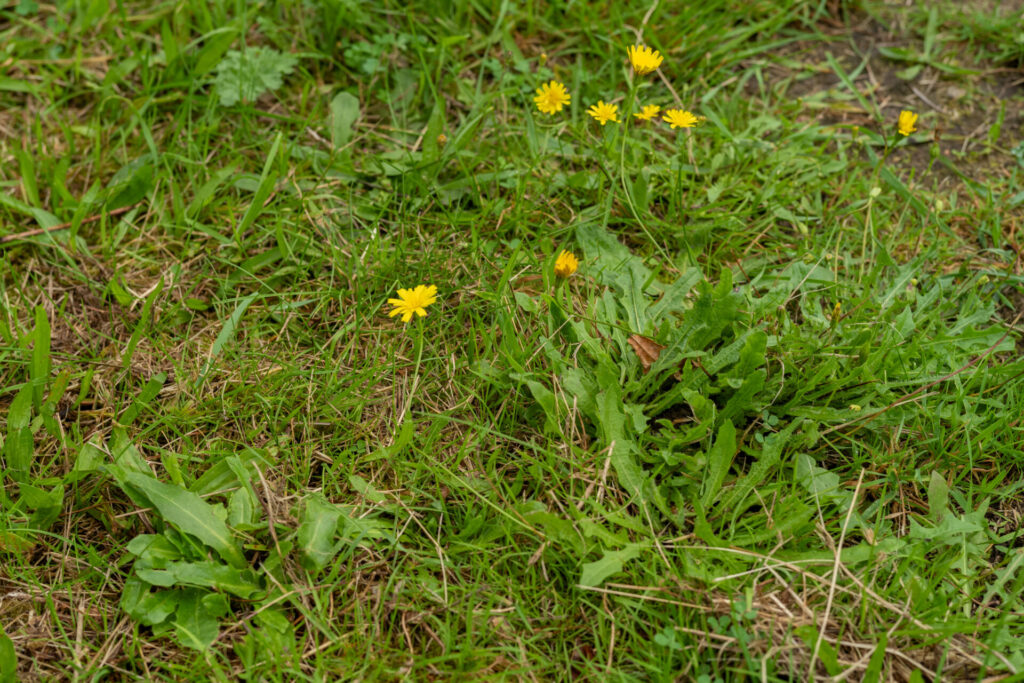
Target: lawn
{"x": 719, "y": 378}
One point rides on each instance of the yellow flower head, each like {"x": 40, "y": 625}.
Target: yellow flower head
{"x": 604, "y": 112}
{"x": 411, "y": 301}
{"x": 551, "y": 97}
{"x": 566, "y": 264}
{"x": 907, "y": 122}
{"x": 679, "y": 118}
{"x": 644, "y": 59}
{"x": 649, "y": 112}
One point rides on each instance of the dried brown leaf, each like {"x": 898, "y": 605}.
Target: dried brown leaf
{"x": 647, "y": 349}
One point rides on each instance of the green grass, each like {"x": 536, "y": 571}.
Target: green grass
{"x": 221, "y": 458}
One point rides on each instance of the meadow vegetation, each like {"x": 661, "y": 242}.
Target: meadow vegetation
{"x": 408, "y": 341}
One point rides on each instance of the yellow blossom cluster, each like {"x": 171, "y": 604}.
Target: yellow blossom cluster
{"x": 415, "y": 301}
{"x": 553, "y": 96}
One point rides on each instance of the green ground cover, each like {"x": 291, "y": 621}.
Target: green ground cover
{"x": 769, "y": 429}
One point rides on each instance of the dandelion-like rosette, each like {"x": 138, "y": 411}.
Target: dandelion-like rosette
{"x": 604, "y": 112}
{"x": 412, "y": 301}
{"x": 551, "y": 97}
{"x": 566, "y": 264}
{"x": 907, "y": 122}
{"x": 644, "y": 59}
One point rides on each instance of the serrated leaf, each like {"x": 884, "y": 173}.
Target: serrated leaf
{"x": 190, "y": 514}
{"x": 247, "y": 75}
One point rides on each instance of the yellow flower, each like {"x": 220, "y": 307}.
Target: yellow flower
{"x": 566, "y": 264}
{"x": 648, "y": 113}
{"x": 644, "y": 59}
{"x": 551, "y": 97}
{"x": 604, "y": 112}
{"x": 411, "y": 301}
{"x": 907, "y": 122}
{"x": 678, "y": 118}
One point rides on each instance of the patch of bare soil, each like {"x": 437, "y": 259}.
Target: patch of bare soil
{"x": 959, "y": 102}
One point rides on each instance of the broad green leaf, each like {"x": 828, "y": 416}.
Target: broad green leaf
{"x": 131, "y": 183}
{"x": 153, "y": 550}
{"x": 241, "y": 509}
{"x": 242, "y": 504}
{"x": 873, "y": 673}
{"x": 145, "y": 606}
{"x": 195, "y": 621}
{"x": 43, "y": 217}
{"x": 344, "y": 112}
{"x": 611, "y": 426}
{"x": 90, "y": 458}
{"x": 40, "y": 369}
{"x": 240, "y": 582}
{"x": 191, "y": 514}
{"x": 8, "y": 659}
{"x": 18, "y": 446}
{"x": 223, "y": 474}
{"x": 595, "y": 573}
{"x": 555, "y": 528}
{"x": 817, "y": 480}
{"x": 366, "y": 489}
{"x": 47, "y": 505}
{"x": 317, "y": 532}
{"x": 938, "y": 496}
{"x": 719, "y": 460}
{"x": 8, "y": 84}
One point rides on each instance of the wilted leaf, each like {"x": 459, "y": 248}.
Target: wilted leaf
{"x": 646, "y": 349}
